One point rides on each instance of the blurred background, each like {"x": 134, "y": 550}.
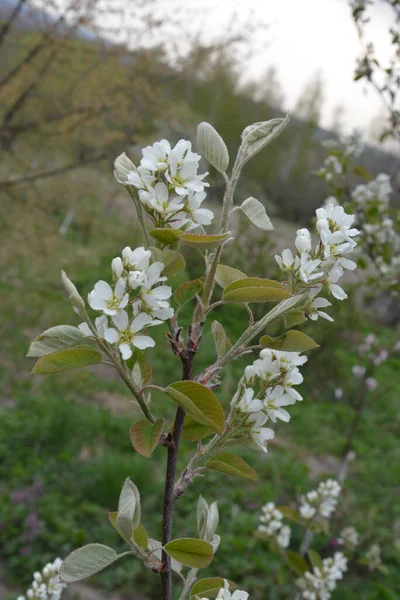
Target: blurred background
{"x": 82, "y": 81}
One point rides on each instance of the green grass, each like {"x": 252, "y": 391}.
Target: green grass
{"x": 57, "y": 432}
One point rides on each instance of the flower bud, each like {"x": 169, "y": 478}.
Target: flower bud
{"x": 73, "y": 294}
{"x": 122, "y": 166}
{"x": 303, "y": 240}
{"x": 207, "y": 519}
{"x": 117, "y": 267}
{"x": 212, "y": 147}
{"x": 249, "y": 375}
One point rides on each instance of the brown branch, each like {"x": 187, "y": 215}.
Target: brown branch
{"x": 7, "y": 25}
{"x": 45, "y": 174}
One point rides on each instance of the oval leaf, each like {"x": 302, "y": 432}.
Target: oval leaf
{"x": 140, "y": 536}
{"x": 86, "y": 561}
{"x": 188, "y": 290}
{"x": 172, "y": 260}
{"x": 283, "y": 307}
{"x": 129, "y": 503}
{"x": 255, "y": 212}
{"x": 212, "y": 147}
{"x": 53, "y": 339}
{"x": 204, "y": 242}
{"x": 254, "y": 289}
{"x": 297, "y": 563}
{"x": 257, "y": 136}
{"x": 225, "y": 275}
{"x": 291, "y": 341}
{"x": 124, "y": 524}
{"x": 112, "y": 517}
{"x": 221, "y": 340}
{"x": 315, "y": 559}
{"x": 192, "y": 430}
{"x": 65, "y": 360}
{"x": 209, "y": 587}
{"x": 145, "y": 436}
{"x": 290, "y": 513}
{"x": 295, "y": 317}
{"x": 200, "y": 402}
{"x": 190, "y": 552}
{"x": 166, "y": 236}
{"x": 232, "y": 465}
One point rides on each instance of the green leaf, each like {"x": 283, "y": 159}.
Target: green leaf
{"x": 65, "y": 360}
{"x": 315, "y": 559}
{"x": 291, "y": 341}
{"x": 145, "y": 436}
{"x": 166, "y": 236}
{"x": 129, "y": 502}
{"x": 140, "y": 536}
{"x": 363, "y": 172}
{"x": 254, "y": 289}
{"x": 199, "y": 401}
{"x": 283, "y": 307}
{"x": 257, "y": 136}
{"x": 172, "y": 260}
{"x": 141, "y": 367}
{"x": 232, "y": 465}
{"x": 209, "y": 587}
{"x": 295, "y": 317}
{"x": 86, "y": 561}
{"x": 225, "y": 275}
{"x": 53, "y": 339}
{"x": 212, "y": 147}
{"x": 188, "y": 290}
{"x": 297, "y": 563}
{"x": 192, "y": 430}
{"x": 112, "y": 517}
{"x": 255, "y": 212}
{"x": 191, "y": 552}
{"x": 154, "y": 546}
{"x": 124, "y": 524}
{"x": 290, "y": 513}
{"x": 221, "y": 340}
{"x": 204, "y": 242}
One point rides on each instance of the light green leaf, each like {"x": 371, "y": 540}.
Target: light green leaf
{"x": 297, "y": 563}
{"x": 129, "y": 502}
{"x": 166, "y": 236}
{"x": 65, "y": 360}
{"x": 212, "y": 147}
{"x": 295, "y": 317}
{"x": 225, "y": 275}
{"x": 124, "y": 524}
{"x": 204, "y": 242}
{"x": 140, "y": 536}
{"x": 255, "y": 137}
{"x": 221, "y": 340}
{"x": 54, "y": 339}
{"x": 86, "y": 561}
{"x": 155, "y": 547}
{"x": 255, "y": 212}
{"x": 141, "y": 370}
{"x": 283, "y": 307}
{"x": 315, "y": 559}
{"x": 290, "y": 513}
{"x": 209, "y": 587}
{"x": 145, "y": 436}
{"x": 172, "y": 260}
{"x": 199, "y": 401}
{"x": 112, "y": 517}
{"x": 232, "y": 465}
{"x": 192, "y": 430}
{"x": 254, "y": 289}
{"x": 188, "y": 290}
{"x": 190, "y": 552}
{"x": 291, "y": 341}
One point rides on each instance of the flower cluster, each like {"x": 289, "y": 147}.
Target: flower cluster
{"x": 331, "y": 169}
{"x": 169, "y": 187}
{"x": 137, "y": 289}
{"x": 272, "y": 526}
{"x": 321, "y": 502}
{"x": 349, "y": 538}
{"x": 314, "y": 268}
{"x": 373, "y": 557}
{"x": 318, "y": 584}
{"x": 46, "y": 585}
{"x": 267, "y": 388}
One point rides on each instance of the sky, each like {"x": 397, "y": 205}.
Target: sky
{"x": 309, "y": 36}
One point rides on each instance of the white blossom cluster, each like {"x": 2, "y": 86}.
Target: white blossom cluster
{"x": 320, "y": 583}
{"x": 137, "y": 301}
{"x": 272, "y": 527}
{"x": 376, "y": 191}
{"x": 373, "y": 557}
{"x": 348, "y": 146}
{"x": 349, "y": 538}
{"x": 320, "y": 502}
{"x": 46, "y": 584}
{"x": 321, "y": 266}
{"x": 274, "y": 374}
{"x": 331, "y": 169}
{"x": 169, "y": 187}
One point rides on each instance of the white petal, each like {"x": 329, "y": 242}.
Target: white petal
{"x": 126, "y": 351}
{"x": 84, "y": 328}
{"x": 111, "y": 335}
{"x": 103, "y": 290}
{"x": 140, "y": 322}
{"x": 143, "y": 341}
{"x": 120, "y": 287}
{"x": 121, "y": 320}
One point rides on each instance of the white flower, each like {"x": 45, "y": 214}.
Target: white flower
{"x": 136, "y": 260}
{"x": 322, "y": 501}
{"x": 224, "y": 594}
{"x": 332, "y": 279}
{"x": 371, "y": 383}
{"x": 126, "y": 334}
{"x": 248, "y": 404}
{"x": 285, "y": 262}
{"x": 358, "y": 371}
{"x": 260, "y": 435}
{"x": 349, "y": 538}
{"x": 318, "y": 584}
{"x": 314, "y": 311}
{"x": 102, "y": 297}
{"x": 199, "y": 216}
{"x": 158, "y": 199}
{"x": 307, "y": 511}
{"x": 303, "y": 240}
{"x": 334, "y": 225}
{"x": 182, "y": 171}
{"x": 155, "y": 157}
{"x": 307, "y": 267}
{"x": 274, "y": 399}
{"x": 283, "y": 537}
{"x": 267, "y": 368}
{"x": 373, "y": 556}
{"x": 101, "y": 324}
{"x": 117, "y": 267}
{"x": 46, "y": 585}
